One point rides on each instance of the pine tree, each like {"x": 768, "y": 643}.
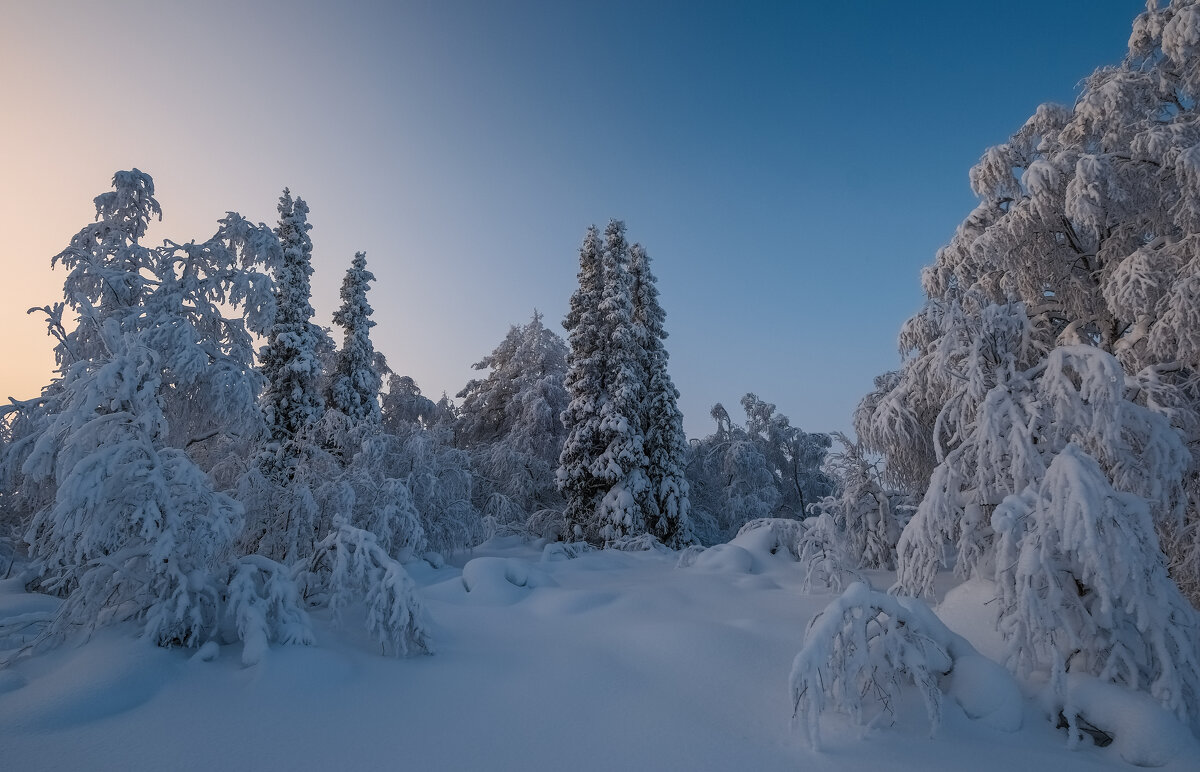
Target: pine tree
{"x": 356, "y": 383}
{"x": 667, "y": 508}
{"x": 585, "y": 382}
{"x": 292, "y": 401}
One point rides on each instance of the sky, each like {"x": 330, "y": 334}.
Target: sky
{"x": 789, "y": 166}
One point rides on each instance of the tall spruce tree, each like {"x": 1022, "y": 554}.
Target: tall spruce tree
{"x": 585, "y": 382}
{"x": 292, "y": 401}
{"x": 355, "y": 388}
{"x": 667, "y": 508}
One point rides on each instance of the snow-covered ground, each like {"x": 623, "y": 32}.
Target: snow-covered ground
{"x": 608, "y": 661}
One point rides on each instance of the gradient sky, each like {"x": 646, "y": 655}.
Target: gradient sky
{"x": 789, "y": 166}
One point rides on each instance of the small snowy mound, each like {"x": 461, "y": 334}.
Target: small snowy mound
{"x": 502, "y": 580}
{"x": 1143, "y": 732}
{"x": 759, "y": 544}
{"x": 970, "y": 609}
{"x": 726, "y": 559}
{"x": 986, "y": 692}
{"x": 773, "y": 535}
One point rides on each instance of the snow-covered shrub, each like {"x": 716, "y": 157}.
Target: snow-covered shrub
{"x": 783, "y": 534}
{"x": 265, "y": 606}
{"x": 826, "y": 554}
{"x": 135, "y": 530}
{"x": 1084, "y": 588}
{"x": 866, "y": 646}
{"x": 861, "y": 506}
{"x": 349, "y": 566}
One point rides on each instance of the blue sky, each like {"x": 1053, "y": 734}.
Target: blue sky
{"x": 790, "y": 167}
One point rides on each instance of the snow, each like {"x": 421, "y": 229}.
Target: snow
{"x": 555, "y": 658}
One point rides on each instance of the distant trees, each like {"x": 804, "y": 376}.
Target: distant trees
{"x": 620, "y": 392}
{"x": 509, "y": 423}
{"x": 768, "y": 468}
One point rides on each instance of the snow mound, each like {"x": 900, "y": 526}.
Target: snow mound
{"x": 725, "y": 558}
{"x": 970, "y": 610}
{"x": 986, "y": 692}
{"x": 1144, "y": 733}
{"x": 759, "y": 545}
{"x": 774, "y": 535}
{"x": 502, "y": 580}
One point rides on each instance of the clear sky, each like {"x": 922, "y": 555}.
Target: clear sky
{"x": 789, "y": 166}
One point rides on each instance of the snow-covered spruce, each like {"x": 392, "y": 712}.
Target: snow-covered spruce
{"x": 292, "y": 401}
{"x": 668, "y": 515}
{"x": 585, "y": 381}
{"x": 354, "y": 391}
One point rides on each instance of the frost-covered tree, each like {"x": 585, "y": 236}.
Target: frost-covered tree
{"x": 509, "y": 423}
{"x": 124, "y": 523}
{"x": 418, "y": 448}
{"x": 862, "y": 512}
{"x": 292, "y": 401}
{"x": 764, "y": 469}
{"x": 403, "y": 405}
{"x": 1084, "y": 587}
{"x": 667, "y": 514}
{"x": 1088, "y": 218}
{"x": 729, "y": 481}
{"x": 356, "y": 382}
{"x": 795, "y": 456}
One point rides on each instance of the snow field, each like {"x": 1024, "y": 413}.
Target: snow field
{"x": 610, "y": 661}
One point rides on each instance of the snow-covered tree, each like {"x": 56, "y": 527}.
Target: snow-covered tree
{"x": 765, "y": 469}
{"x": 292, "y": 401}
{"x": 862, "y": 512}
{"x": 667, "y": 508}
{"x": 356, "y": 383}
{"x": 1084, "y": 587}
{"x": 795, "y": 456}
{"x": 418, "y": 448}
{"x": 1089, "y": 218}
{"x": 509, "y": 423}
{"x": 585, "y": 381}
{"x": 622, "y": 463}
{"x": 135, "y": 530}
{"x": 729, "y": 481}
{"x": 404, "y": 405}
{"x": 125, "y": 524}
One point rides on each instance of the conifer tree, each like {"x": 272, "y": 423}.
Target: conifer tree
{"x": 292, "y": 401}
{"x": 667, "y": 508}
{"x": 356, "y": 383}
{"x": 622, "y": 463}
{"x": 585, "y": 382}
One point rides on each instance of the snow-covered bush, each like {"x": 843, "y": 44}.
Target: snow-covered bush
{"x": 349, "y": 566}
{"x": 826, "y": 554}
{"x": 135, "y": 530}
{"x": 1084, "y": 588}
{"x": 867, "y": 646}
